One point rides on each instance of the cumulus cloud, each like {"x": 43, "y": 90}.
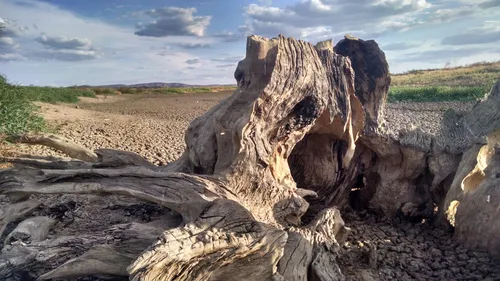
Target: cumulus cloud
{"x": 11, "y": 57}
{"x": 66, "y": 55}
{"x": 470, "y": 8}
{"x": 319, "y": 16}
{"x": 447, "y": 15}
{"x": 9, "y": 47}
{"x": 226, "y": 65}
{"x": 490, "y": 4}
{"x": 193, "y": 61}
{"x": 194, "y": 45}
{"x": 10, "y": 28}
{"x": 174, "y": 21}
{"x": 228, "y": 59}
{"x": 65, "y": 49}
{"x": 63, "y": 42}
{"x": 8, "y": 44}
{"x": 320, "y": 19}
{"x": 482, "y": 35}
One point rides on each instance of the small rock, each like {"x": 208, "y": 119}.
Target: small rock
{"x": 463, "y": 257}
{"x": 436, "y": 252}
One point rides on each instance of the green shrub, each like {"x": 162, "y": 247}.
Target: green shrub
{"x": 17, "y": 113}
{"x": 54, "y": 95}
{"x": 128, "y": 90}
{"x": 104, "y": 91}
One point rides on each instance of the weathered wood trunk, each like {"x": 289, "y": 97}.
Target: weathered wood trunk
{"x": 260, "y": 185}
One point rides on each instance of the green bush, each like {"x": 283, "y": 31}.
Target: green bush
{"x": 104, "y": 91}
{"x": 128, "y": 90}
{"x": 54, "y": 95}
{"x": 17, "y": 113}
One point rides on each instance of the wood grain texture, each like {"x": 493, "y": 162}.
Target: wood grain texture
{"x": 264, "y": 176}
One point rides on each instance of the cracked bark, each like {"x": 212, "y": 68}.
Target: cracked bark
{"x": 261, "y": 182}
{"x": 232, "y": 186}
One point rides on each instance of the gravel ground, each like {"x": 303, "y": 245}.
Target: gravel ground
{"x": 393, "y": 249}
{"x": 154, "y": 126}
{"x": 151, "y": 126}
{"x": 424, "y": 115}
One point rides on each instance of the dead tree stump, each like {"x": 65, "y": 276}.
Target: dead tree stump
{"x": 260, "y": 184}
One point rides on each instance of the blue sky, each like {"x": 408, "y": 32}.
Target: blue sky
{"x": 67, "y": 42}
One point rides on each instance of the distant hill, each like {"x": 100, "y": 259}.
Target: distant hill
{"x": 154, "y": 85}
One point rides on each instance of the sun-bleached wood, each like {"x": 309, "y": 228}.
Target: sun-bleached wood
{"x": 232, "y": 186}
{"x": 259, "y": 189}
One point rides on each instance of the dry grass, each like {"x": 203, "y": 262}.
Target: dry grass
{"x": 464, "y": 83}
{"x": 474, "y": 75}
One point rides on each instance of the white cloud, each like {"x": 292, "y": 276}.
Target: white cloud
{"x": 481, "y": 35}
{"x": 193, "y": 61}
{"x": 103, "y": 53}
{"x": 228, "y": 59}
{"x": 194, "y": 45}
{"x": 319, "y": 19}
{"x": 11, "y": 57}
{"x": 63, "y": 42}
{"x": 10, "y": 28}
{"x": 65, "y": 55}
{"x": 8, "y": 44}
{"x": 174, "y": 21}
{"x": 65, "y": 48}
{"x": 9, "y": 47}
{"x": 490, "y": 4}
{"x": 226, "y": 65}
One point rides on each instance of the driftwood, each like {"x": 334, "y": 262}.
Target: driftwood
{"x": 264, "y": 175}
{"x": 57, "y": 142}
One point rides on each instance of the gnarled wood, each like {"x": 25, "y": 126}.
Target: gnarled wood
{"x": 263, "y": 177}
{"x": 16, "y": 211}
{"x": 82, "y": 255}
{"x": 34, "y": 229}
{"x": 59, "y": 143}
{"x": 237, "y": 155}
{"x": 372, "y": 76}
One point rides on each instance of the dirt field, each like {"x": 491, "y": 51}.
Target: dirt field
{"x": 154, "y": 126}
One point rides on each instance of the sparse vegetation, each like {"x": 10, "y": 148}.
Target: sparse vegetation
{"x": 436, "y": 93}
{"x": 187, "y": 90}
{"x": 17, "y": 113}
{"x": 464, "y": 83}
